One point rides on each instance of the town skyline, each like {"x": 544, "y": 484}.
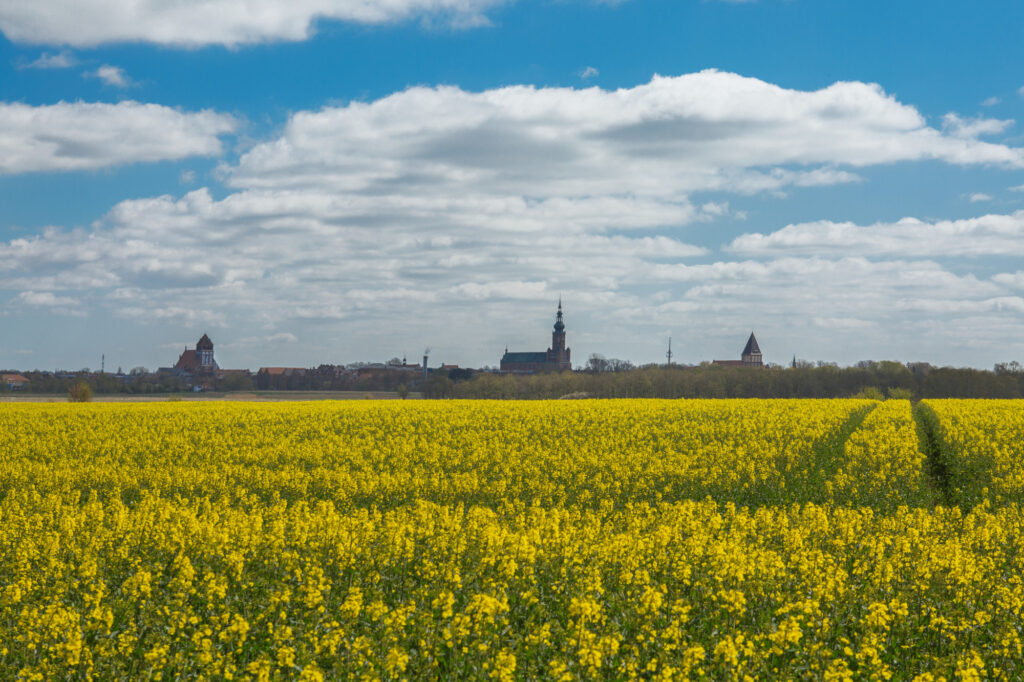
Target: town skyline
{"x": 322, "y": 183}
{"x": 191, "y": 360}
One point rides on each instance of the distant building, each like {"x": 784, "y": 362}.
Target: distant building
{"x": 199, "y": 360}
{"x": 15, "y": 382}
{"x": 750, "y": 357}
{"x": 282, "y": 372}
{"x": 280, "y": 377}
{"x": 555, "y": 359}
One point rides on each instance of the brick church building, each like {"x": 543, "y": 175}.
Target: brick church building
{"x": 555, "y": 359}
{"x": 750, "y": 357}
{"x": 199, "y": 360}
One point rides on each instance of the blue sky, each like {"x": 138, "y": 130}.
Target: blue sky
{"x": 335, "y": 180}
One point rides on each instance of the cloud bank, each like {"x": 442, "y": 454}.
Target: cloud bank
{"x": 193, "y": 23}
{"x": 454, "y": 218}
{"x": 988, "y": 235}
{"x": 72, "y": 136}
{"x": 672, "y": 136}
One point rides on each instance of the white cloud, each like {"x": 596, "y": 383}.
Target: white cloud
{"x": 48, "y": 301}
{"x": 900, "y": 309}
{"x": 843, "y": 323}
{"x": 1017, "y": 188}
{"x": 44, "y": 298}
{"x": 1014, "y": 280}
{"x": 250, "y": 342}
{"x": 991, "y": 101}
{"x": 110, "y": 75}
{"x": 263, "y": 252}
{"x": 976, "y": 197}
{"x": 672, "y": 136}
{"x": 972, "y": 128}
{"x": 714, "y": 209}
{"x": 51, "y": 60}
{"x": 187, "y": 177}
{"x": 191, "y": 23}
{"x": 589, "y": 72}
{"x": 80, "y": 136}
{"x": 909, "y": 237}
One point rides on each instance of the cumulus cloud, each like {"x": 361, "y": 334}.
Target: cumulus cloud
{"x": 589, "y": 72}
{"x": 991, "y": 101}
{"x": 80, "y": 136}
{"x": 48, "y": 301}
{"x": 804, "y": 290}
{"x": 192, "y": 23}
{"x": 51, "y": 60}
{"x": 971, "y": 128}
{"x": 976, "y": 197}
{"x": 902, "y": 309}
{"x": 985, "y": 235}
{"x": 110, "y": 75}
{"x": 44, "y": 298}
{"x": 286, "y": 255}
{"x": 669, "y": 137}
{"x": 1014, "y": 280}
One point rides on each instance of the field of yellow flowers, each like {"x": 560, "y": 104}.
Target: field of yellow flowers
{"x": 719, "y": 539}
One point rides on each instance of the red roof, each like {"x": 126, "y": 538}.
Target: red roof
{"x": 15, "y": 379}
{"x": 188, "y": 361}
{"x": 282, "y": 371}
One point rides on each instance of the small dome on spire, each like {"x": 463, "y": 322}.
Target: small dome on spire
{"x": 559, "y": 325}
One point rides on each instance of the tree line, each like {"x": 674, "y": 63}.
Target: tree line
{"x": 601, "y": 379}
{"x": 866, "y": 379}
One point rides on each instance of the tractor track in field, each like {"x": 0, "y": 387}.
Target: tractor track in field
{"x": 930, "y": 437}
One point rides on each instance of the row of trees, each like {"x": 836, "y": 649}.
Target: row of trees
{"x": 135, "y": 383}
{"x": 711, "y": 381}
{"x": 335, "y": 378}
{"x": 602, "y": 378}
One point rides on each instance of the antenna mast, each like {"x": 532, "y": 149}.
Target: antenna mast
{"x": 669, "y": 353}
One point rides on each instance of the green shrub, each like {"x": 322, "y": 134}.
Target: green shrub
{"x": 870, "y": 393}
{"x": 896, "y": 393}
{"x": 80, "y": 392}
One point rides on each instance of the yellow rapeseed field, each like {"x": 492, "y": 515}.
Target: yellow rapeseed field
{"x": 982, "y": 445}
{"x": 500, "y": 540}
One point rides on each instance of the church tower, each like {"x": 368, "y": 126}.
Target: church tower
{"x": 751, "y": 356}
{"x": 554, "y": 359}
{"x": 558, "y": 353}
{"x": 204, "y": 353}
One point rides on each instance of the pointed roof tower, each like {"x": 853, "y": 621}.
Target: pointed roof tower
{"x": 204, "y": 343}
{"x": 751, "y": 346}
{"x": 559, "y": 324}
